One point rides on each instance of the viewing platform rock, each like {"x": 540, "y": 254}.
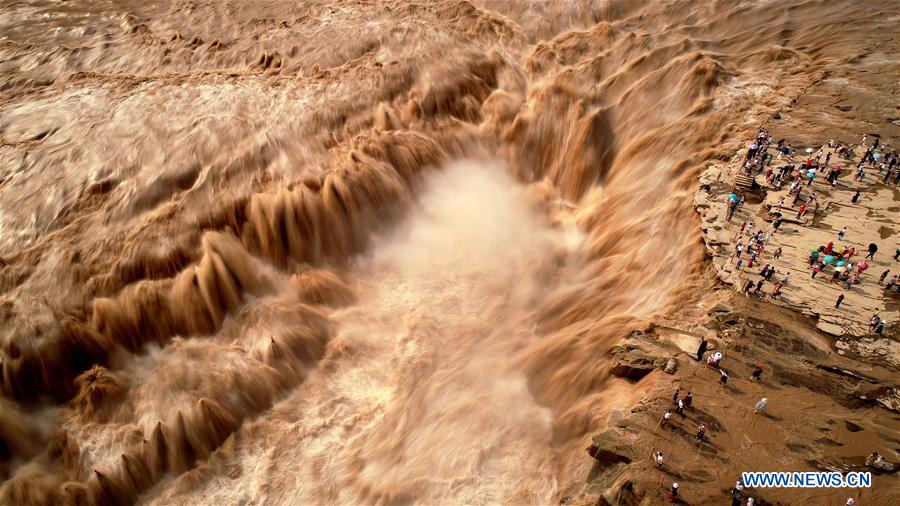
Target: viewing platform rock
{"x": 873, "y": 219}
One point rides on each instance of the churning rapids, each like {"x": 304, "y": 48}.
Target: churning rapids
{"x": 364, "y": 252}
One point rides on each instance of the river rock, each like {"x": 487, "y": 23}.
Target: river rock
{"x": 671, "y": 366}
{"x": 721, "y": 307}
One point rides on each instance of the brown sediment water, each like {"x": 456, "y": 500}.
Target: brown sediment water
{"x": 351, "y": 252}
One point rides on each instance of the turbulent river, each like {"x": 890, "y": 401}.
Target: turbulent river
{"x": 367, "y": 252}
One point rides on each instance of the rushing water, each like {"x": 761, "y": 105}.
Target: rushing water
{"x": 366, "y": 252}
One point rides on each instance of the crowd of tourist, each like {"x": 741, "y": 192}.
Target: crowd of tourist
{"x": 754, "y": 246}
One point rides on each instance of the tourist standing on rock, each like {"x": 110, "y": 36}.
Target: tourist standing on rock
{"x": 676, "y": 395}
{"x": 701, "y": 432}
{"x": 761, "y": 405}
{"x": 777, "y": 254}
{"x": 659, "y": 459}
{"x": 748, "y": 286}
{"x": 667, "y": 417}
{"x": 702, "y": 349}
{"x": 688, "y": 399}
{"x": 757, "y": 373}
{"x": 877, "y": 461}
{"x": 759, "y": 285}
{"x": 841, "y": 233}
{"x": 855, "y": 198}
{"x": 801, "y": 211}
{"x": 786, "y": 278}
{"x": 883, "y": 275}
{"x": 723, "y": 379}
{"x": 680, "y": 408}
{"x": 860, "y": 172}
{"x": 897, "y": 254}
{"x": 840, "y": 299}
{"x": 770, "y": 274}
{"x": 783, "y": 150}
{"x": 737, "y": 494}
{"x": 673, "y": 493}
{"x": 873, "y": 248}
{"x": 815, "y": 269}
{"x": 835, "y": 276}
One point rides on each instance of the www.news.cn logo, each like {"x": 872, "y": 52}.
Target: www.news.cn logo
{"x": 807, "y": 480}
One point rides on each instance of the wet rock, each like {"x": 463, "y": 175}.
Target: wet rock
{"x": 639, "y": 407}
{"x": 671, "y": 366}
{"x": 776, "y": 116}
{"x": 615, "y": 416}
{"x": 885, "y": 397}
{"x": 721, "y": 307}
{"x": 626, "y": 491}
{"x": 619, "y": 419}
{"x": 604, "y": 456}
{"x": 728, "y": 319}
{"x": 632, "y": 363}
{"x": 632, "y": 371}
{"x": 830, "y": 328}
{"x": 852, "y": 427}
{"x": 609, "y": 448}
